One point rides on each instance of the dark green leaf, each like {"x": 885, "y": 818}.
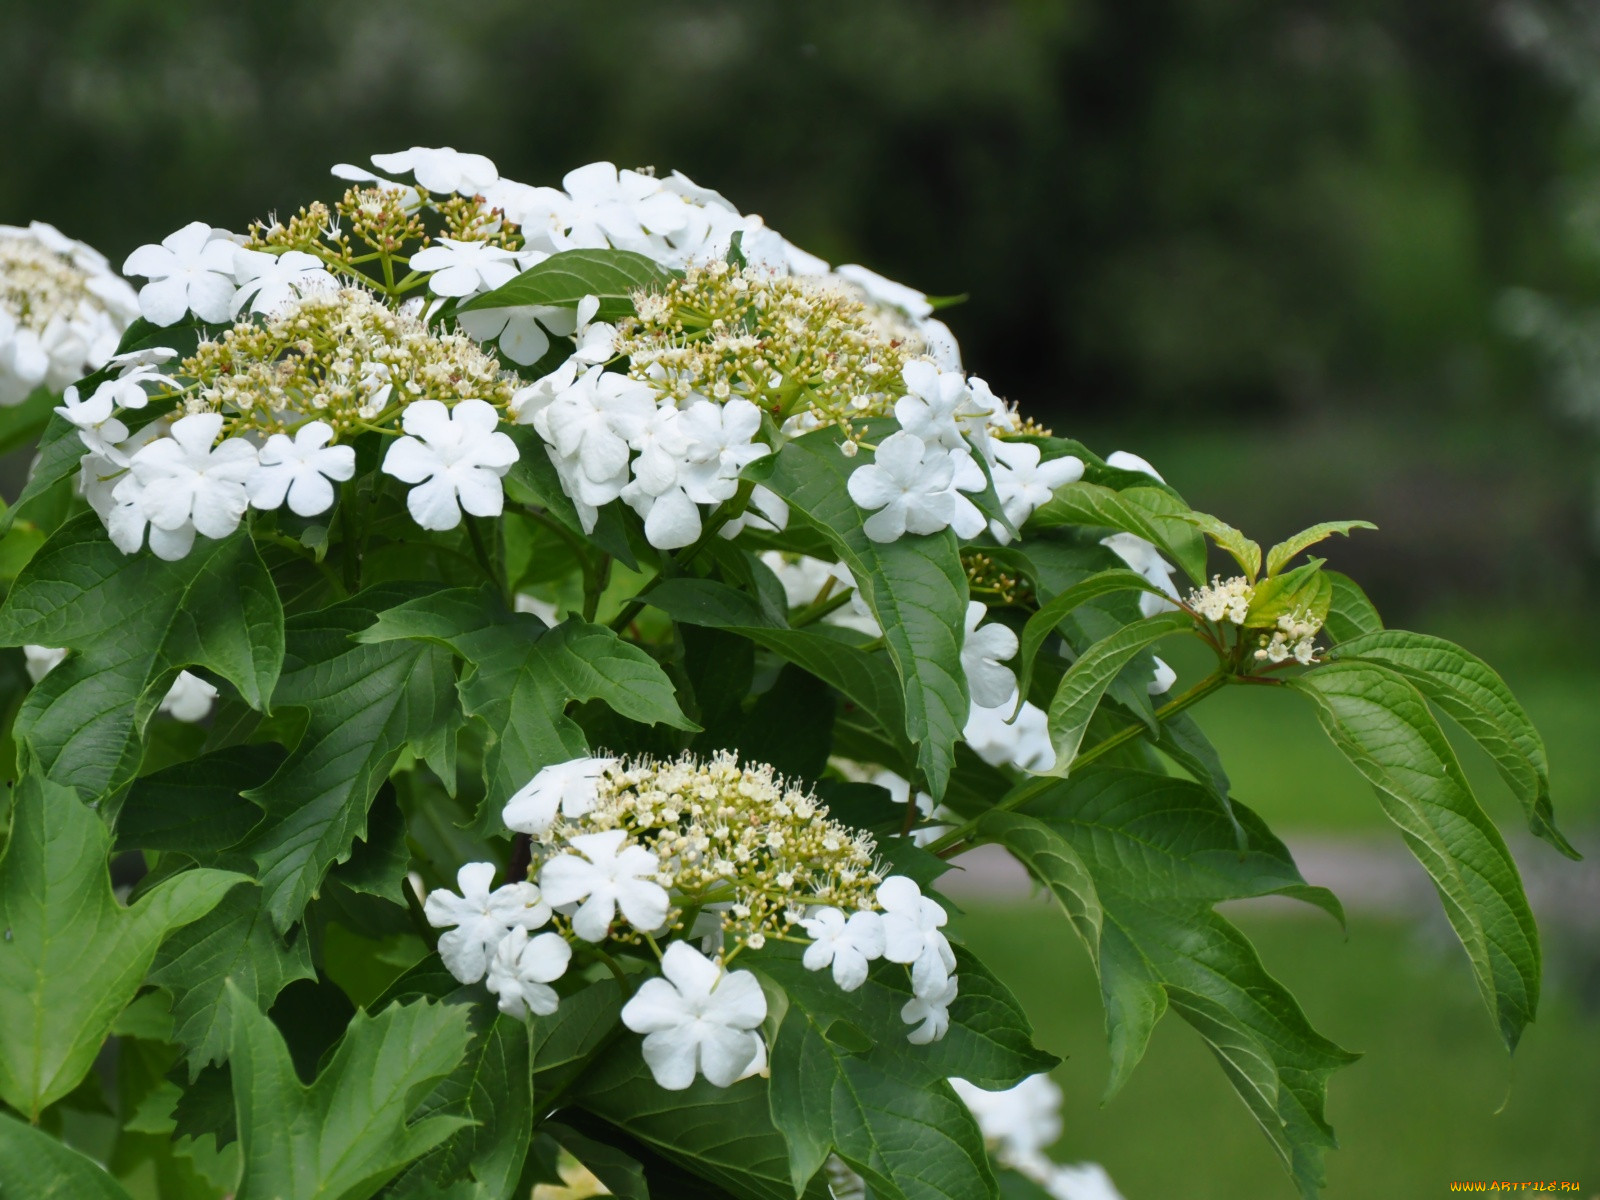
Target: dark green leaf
{"x": 567, "y": 277}
{"x": 1052, "y": 861}
{"x": 1044, "y": 622}
{"x": 197, "y": 807}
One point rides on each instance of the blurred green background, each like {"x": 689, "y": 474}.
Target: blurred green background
{"x": 1267, "y": 245}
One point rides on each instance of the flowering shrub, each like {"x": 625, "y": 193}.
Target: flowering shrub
{"x": 530, "y": 655}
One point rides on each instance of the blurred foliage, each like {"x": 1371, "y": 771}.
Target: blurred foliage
{"x": 1283, "y": 225}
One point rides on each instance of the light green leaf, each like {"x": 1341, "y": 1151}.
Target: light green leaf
{"x": 1243, "y": 551}
{"x": 521, "y": 675}
{"x": 567, "y": 277}
{"x": 233, "y": 950}
{"x": 133, "y": 622}
{"x": 1350, "y": 613}
{"x": 365, "y": 704}
{"x": 349, "y": 1132}
{"x": 34, "y": 1166}
{"x": 915, "y": 587}
{"x": 1283, "y": 553}
{"x": 1305, "y": 589}
{"x": 1081, "y": 688}
{"x": 1043, "y": 623}
{"x": 1084, "y": 503}
{"x": 1052, "y": 861}
{"x": 1473, "y": 693}
{"x": 1384, "y": 727}
{"x": 72, "y": 956}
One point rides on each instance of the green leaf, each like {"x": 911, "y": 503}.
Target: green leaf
{"x": 915, "y": 587}
{"x": 60, "y": 450}
{"x": 622, "y": 1174}
{"x": 23, "y": 423}
{"x": 1350, "y": 613}
{"x": 521, "y": 675}
{"x": 1043, "y": 623}
{"x": 233, "y": 950}
{"x": 567, "y": 277}
{"x": 1283, "y": 553}
{"x": 1243, "y": 551}
{"x": 562, "y": 1043}
{"x": 35, "y": 1166}
{"x": 197, "y": 807}
{"x": 1473, "y": 693}
{"x": 533, "y": 481}
{"x": 1384, "y": 727}
{"x": 365, "y": 704}
{"x": 346, "y": 1134}
{"x": 723, "y": 1135}
{"x": 1081, "y": 688}
{"x": 134, "y": 622}
{"x": 1084, "y": 503}
{"x": 1161, "y": 852}
{"x": 1305, "y": 589}
{"x": 72, "y": 956}
{"x": 1052, "y": 861}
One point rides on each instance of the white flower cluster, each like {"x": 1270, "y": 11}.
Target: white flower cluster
{"x": 62, "y": 310}
{"x": 188, "y": 699}
{"x": 1020, "y": 1124}
{"x": 697, "y": 855}
{"x": 1295, "y": 637}
{"x": 1224, "y": 599}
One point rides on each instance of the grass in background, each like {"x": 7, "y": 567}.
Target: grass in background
{"x": 1418, "y": 1111}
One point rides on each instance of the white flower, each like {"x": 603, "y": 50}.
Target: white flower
{"x": 886, "y": 291}
{"x": 720, "y": 445}
{"x": 999, "y": 740}
{"x": 481, "y": 918}
{"x": 463, "y": 268}
{"x": 97, "y": 428}
{"x": 569, "y": 788}
{"x": 1124, "y": 461}
{"x": 608, "y": 878}
{"x": 269, "y": 281}
{"x": 982, "y": 652}
{"x": 300, "y": 470}
{"x": 138, "y": 362}
{"x": 911, "y": 925}
{"x": 583, "y": 426}
{"x": 189, "y": 699}
{"x": 126, "y": 521}
{"x": 186, "y": 480}
{"x": 618, "y": 208}
{"x": 913, "y": 488}
{"x": 39, "y": 661}
{"x": 456, "y": 458}
{"x": 938, "y": 406}
{"x": 523, "y": 332}
{"x": 848, "y": 944}
{"x": 932, "y": 1011}
{"x": 1023, "y": 483}
{"x": 1080, "y": 1181}
{"x": 1021, "y": 1122}
{"x": 1144, "y": 558}
{"x": 698, "y": 1019}
{"x": 441, "y": 169}
{"x": 523, "y": 968}
{"x": 190, "y": 271}
{"x": 1163, "y": 679}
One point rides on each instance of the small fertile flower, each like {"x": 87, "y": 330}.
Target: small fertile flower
{"x": 608, "y": 877}
{"x": 481, "y": 918}
{"x": 911, "y": 934}
{"x": 930, "y": 1013}
{"x": 698, "y": 1019}
{"x": 522, "y": 969}
{"x": 848, "y": 944}
{"x": 190, "y": 271}
{"x": 456, "y": 457}
{"x": 1023, "y": 483}
{"x": 269, "y": 281}
{"x": 187, "y": 479}
{"x": 568, "y": 788}
{"x": 910, "y": 486}
{"x": 982, "y": 653}
{"x": 299, "y": 469}
{"x": 464, "y": 268}
{"x": 189, "y": 698}
{"x": 441, "y": 169}
{"x": 1224, "y": 599}
{"x": 1142, "y": 557}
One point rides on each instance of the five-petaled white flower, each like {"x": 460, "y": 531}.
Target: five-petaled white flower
{"x": 456, "y": 458}
{"x": 522, "y": 969}
{"x": 982, "y": 652}
{"x": 911, "y": 925}
{"x": 97, "y": 428}
{"x": 569, "y": 788}
{"x": 1023, "y": 483}
{"x": 609, "y": 876}
{"x": 441, "y": 169}
{"x": 937, "y": 407}
{"x": 190, "y": 271}
{"x": 463, "y": 268}
{"x": 721, "y": 444}
{"x": 848, "y": 944}
{"x": 481, "y": 918}
{"x": 932, "y": 1011}
{"x": 611, "y": 207}
{"x": 299, "y": 470}
{"x": 698, "y": 1018}
{"x": 1142, "y": 557}
{"x": 912, "y": 487}
{"x": 269, "y": 281}
{"x": 186, "y": 479}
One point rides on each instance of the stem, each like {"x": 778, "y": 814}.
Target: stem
{"x": 819, "y": 608}
{"x": 946, "y": 844}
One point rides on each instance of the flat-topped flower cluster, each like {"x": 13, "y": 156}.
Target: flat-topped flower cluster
{"x": 696, "y": 862}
